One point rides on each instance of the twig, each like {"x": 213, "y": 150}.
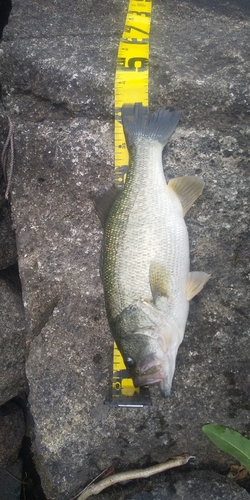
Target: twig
{"x": 94, "y": 489}
{"x": 104, "y": 473}
{"x": 9, "y": 144}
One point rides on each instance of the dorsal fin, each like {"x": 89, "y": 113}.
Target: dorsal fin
{"x": 104, "y": 200}
{"x": 188, "y": 189}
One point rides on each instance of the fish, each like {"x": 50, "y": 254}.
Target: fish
{"x": 145, "y": 264}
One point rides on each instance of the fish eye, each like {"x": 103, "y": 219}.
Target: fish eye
{"x": 129, "y": 362}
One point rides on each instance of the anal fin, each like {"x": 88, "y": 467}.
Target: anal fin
{"x": 195, "y": 283}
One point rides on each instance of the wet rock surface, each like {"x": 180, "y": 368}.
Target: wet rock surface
{"x": 58, "y": 69}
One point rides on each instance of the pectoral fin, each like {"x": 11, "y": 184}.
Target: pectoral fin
{"x": 159, "y": 280}
{"x": 188, "y": 189}
{"x": 104, "y": 200}
{"x": 195, "y": 283}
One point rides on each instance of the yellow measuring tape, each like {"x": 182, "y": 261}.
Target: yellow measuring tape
{"x": 131, "y": 80}
{"x": 131, "y": 85}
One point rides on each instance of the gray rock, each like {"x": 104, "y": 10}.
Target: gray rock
{"x": 12, "y": 342}
{"x": 58, "y": 86}
{"x": 11, "y": 482}
{"x": 196, "y": 485}
{"x": 66, "y": 72}
{"x": 11, "y": 433}
{"x": 8, "y": 252}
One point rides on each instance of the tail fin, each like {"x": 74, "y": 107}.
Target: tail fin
{"x": 139, "y": 122}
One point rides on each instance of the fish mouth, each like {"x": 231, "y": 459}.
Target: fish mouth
{"x": 153, "y": 375}
{"x": 150, "y": 374}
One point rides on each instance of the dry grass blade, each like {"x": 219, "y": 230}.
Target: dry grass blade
{"x": 94, "y": 489}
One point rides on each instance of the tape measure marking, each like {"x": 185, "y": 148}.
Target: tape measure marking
{"x": 131, "y": 82}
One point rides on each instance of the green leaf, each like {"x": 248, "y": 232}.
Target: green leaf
{"x": 230, "y": 441}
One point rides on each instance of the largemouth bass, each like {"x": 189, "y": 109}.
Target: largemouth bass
{"x": 145, "y": 254}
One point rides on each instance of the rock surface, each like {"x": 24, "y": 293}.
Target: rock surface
{"x": 58, "y": 69}
{"x": 12, "y": 341}
{"x": 10, "y": 487}
{"x": 11, "y": 433}
{"x": 8, "y": 252}
{"x": 193, "y": 485}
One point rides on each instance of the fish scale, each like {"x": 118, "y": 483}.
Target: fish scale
{"x": 148, "y": 225}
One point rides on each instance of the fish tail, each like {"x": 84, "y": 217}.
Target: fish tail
{"x": 138, "y": 121}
